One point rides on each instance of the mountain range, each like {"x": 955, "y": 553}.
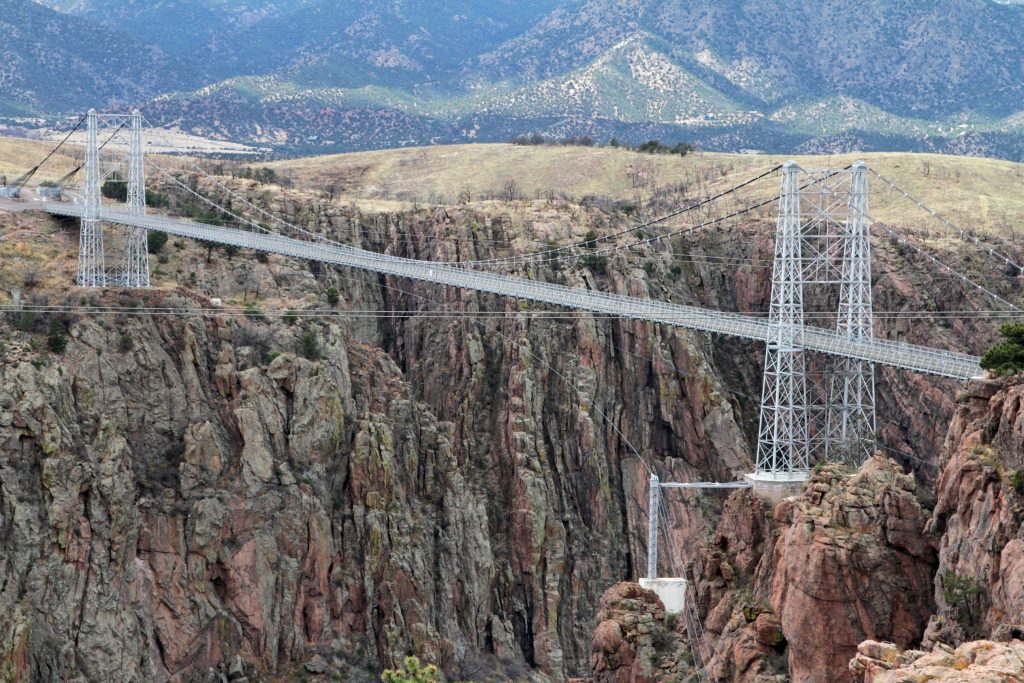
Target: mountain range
{"x": 326, "y": 75}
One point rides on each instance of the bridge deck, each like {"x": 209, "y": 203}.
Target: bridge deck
{"x": 896, "y": 354}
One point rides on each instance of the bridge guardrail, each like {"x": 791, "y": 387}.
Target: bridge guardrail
{"x": 897, "y": 354}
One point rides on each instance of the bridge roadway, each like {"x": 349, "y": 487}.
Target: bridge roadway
{"x": 896, "y": 354}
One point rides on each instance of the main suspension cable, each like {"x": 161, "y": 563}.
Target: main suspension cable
{"x": 635, "y": 228}
{"x": 902, "y": 240}
{"x": 32, "y": 171}
{"x": 961, "y": 233}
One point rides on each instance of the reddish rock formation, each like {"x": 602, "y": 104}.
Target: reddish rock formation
{"x": 635, "y": 641}
{"x": 172, "y": 496}
{"x": 852, "y": 563}
{"x": 844, "y": 561}
{"x": 975, "y": 662}
{"x": 747, "y": 637}
{"x": 980, "y": 509}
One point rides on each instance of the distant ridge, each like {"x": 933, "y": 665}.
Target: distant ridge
{"x": 332, "y": 75}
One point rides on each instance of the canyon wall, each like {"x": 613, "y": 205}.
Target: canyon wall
{"x": 178, "y": 490}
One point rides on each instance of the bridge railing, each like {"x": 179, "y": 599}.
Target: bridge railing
{"x": 897, "y": 354}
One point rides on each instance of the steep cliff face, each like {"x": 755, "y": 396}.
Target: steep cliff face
{"x": 167, "y": 505}
{"x": 635, "y": 641}
{"x": 845, "y": 561}
{"x": 806, "y": 588}
{"x": 461, "y": 478}
{"x": 980, "y": 510}
{"x": 851, "y": 563}
{"x": 173, "y": 492}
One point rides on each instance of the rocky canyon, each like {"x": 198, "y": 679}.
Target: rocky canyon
{"x": 332, "y": 469}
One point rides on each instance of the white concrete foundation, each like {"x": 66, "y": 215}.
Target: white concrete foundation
{"x": 776, "y": 487}
{"x": 671, "y": 591}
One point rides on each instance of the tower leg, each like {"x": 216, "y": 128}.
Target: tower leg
{"x": 654, "y": 500}
{"x": 782, "y": 446}
{"x": 135, "y": 263}
{"x": 850, "y": 431}
{"x": 91, "y": 258}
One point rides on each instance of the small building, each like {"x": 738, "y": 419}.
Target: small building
{"x": 49, "y": 192}
{"x": 10, "y": 191}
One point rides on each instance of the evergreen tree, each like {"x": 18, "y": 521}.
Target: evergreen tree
{"x": 1007, "y": 357}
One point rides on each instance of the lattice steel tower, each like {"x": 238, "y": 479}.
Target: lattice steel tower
{"x": 822, "y": 244}
{"x": 134, "y": 270}
{"x": 91, "y": 259}
{"x": 850, "y": 430}
{"x": 783, "y": 435}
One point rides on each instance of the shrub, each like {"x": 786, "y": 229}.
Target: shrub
{"x": 959, "y": 592}
{"x": 333, "y": 296}
{"x": 590, "y": 239}
{"x": 657, "y": 147}
{"x": 597, "y": 263}
{"x": 27, "y": 321}
{"x": 115, "y": 189}
{"x": 253, "y": 312}
{"x": 309, "y": 345}
{"x": 157, "y": 199}
{"x": 412, "y": 671}
{"x": 155, "y": 241}
{"x": 57, "y": 336}
{"x": 124, "y": 344}
{"x": 529, "y": 139}
{"x": 1017, "y": 481}
{"x": 290, "y": 317}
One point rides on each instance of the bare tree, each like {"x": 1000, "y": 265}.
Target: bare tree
{"x": 510, "y": 191}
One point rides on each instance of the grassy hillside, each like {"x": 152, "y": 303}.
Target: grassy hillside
{"x": 18, "y": 155}
{"x": 978, "y": 194}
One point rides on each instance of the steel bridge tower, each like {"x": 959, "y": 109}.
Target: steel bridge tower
{"x": 783, "y": 450}
{"x": 133, "y": 269}
{"x": 91, "y": 259}
{"x": 850, "y": 430}
{"x": 815, "y": 246}
{"x": 135, "y": 262}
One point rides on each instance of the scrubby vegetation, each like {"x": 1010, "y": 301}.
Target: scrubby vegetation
{"x": 309, "y": 345}
{"x": 412, "y": 671}
{"x": 1007, "y": 357}
{"x": 649, "y": 147}
{"x": 155, "y": 241}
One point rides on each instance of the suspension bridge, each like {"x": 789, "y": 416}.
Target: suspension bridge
{"x": 822, "y": 239}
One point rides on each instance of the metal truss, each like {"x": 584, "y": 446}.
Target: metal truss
{"x": 823, "y": 227}
{"x": 653, "y": 507}
{"x": 91, "y": 257}
{"x": 133, "y": 264}
{"x": 783, "y": 440}
{"x": 134, "y": 271}
{"x": 850, "y": 428}
{"x": 897, "y": 354}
